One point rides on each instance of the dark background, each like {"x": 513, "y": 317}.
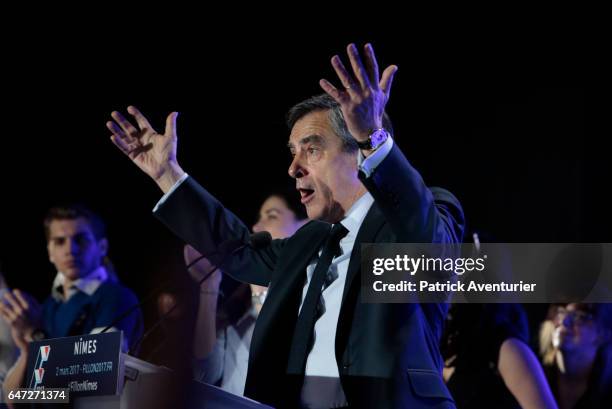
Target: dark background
{"x": 507, "y": 118}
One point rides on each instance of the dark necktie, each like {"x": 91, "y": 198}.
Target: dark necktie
{"x": 304, "y": 328}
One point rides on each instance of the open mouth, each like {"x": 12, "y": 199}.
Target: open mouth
{"x": 306, "y": 194}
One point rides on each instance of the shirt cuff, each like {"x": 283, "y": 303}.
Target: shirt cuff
{"x": 368, "y": 165}
{"x": 172, "y": 189}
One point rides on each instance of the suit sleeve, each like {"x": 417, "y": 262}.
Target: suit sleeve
{"x": 415, "y": 212}
{"x": 200, "y": 220}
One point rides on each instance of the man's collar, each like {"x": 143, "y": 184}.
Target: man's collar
{"x": 88, "y": 284}
{"x": 358, "y": 211}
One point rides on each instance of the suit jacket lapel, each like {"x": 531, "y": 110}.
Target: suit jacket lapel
{"x": 371, "y": 225}
{"x": 280, "y": 311}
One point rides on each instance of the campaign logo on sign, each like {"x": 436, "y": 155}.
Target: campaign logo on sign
{"x": 39, "y": 371}
{"x": 88, "y": 365}
{"x": 38, "y": 374}
{"x": 44, "y": 352}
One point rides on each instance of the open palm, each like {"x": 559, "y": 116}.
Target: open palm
{"x": 364, "y": 93}
{"x": 152, "y": 152}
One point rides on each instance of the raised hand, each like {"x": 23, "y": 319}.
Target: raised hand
{"x": 23, "y": 313}
{"x": 364, "y": 93}
{"x": 152, "y": 152}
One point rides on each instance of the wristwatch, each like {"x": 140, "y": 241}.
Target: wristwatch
{"x": 377, "y": 137}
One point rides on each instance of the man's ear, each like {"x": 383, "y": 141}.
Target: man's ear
{"x": 103, "y": 246}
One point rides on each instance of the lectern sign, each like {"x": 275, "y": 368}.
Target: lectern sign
{"x": 88, "y": 365}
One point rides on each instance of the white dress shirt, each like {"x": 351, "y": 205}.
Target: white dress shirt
{"x": 322, "y": 387}
{"x": 88, "y": 284}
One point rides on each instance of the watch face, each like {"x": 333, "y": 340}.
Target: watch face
{"x": 378, "y": 137}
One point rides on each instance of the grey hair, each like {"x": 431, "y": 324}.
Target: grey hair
{"x": 324, "y": 102}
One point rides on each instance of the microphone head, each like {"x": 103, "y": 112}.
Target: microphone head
{"x": 260, "y": 239}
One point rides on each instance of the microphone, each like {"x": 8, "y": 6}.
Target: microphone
{"x": 260, "y": 240}
{"x": 256, "y": 241}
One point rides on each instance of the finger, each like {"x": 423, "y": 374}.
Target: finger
{"x": 190, "y": 254}
{"x": 171, "y": 124}
{"x": 141, "y": 120}
{"x": 186, "y": 254}
{"x": 120, "y": 143}
{"x": 345, "y": 78}
{"x": 127, "y": 127}
{"x": 358, "y": 68}
{"x": 116, "y": 130}
{"x": 3, "y": 312}
{"x": 7, "y": 313}
{"x": 119, "y": 137}
{"x": 372, "y": 65}
{"x": 387, "y": 79}
{"x": 13, "y": 303}
{"x": 21, "y": 298}
{"x": 339, "y": 96}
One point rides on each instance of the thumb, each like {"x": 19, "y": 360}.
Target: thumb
{"x": 171, "y": 124}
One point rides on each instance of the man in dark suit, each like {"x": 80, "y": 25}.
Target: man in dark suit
{"x": 315, "y": 344}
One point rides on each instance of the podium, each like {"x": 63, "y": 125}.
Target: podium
{"x": 100, "y": 376}
{"x": 145, "y": 387}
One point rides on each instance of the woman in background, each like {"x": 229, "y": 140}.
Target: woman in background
{"x": 576, "y": 349}
{"x": 224, "y": 329}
